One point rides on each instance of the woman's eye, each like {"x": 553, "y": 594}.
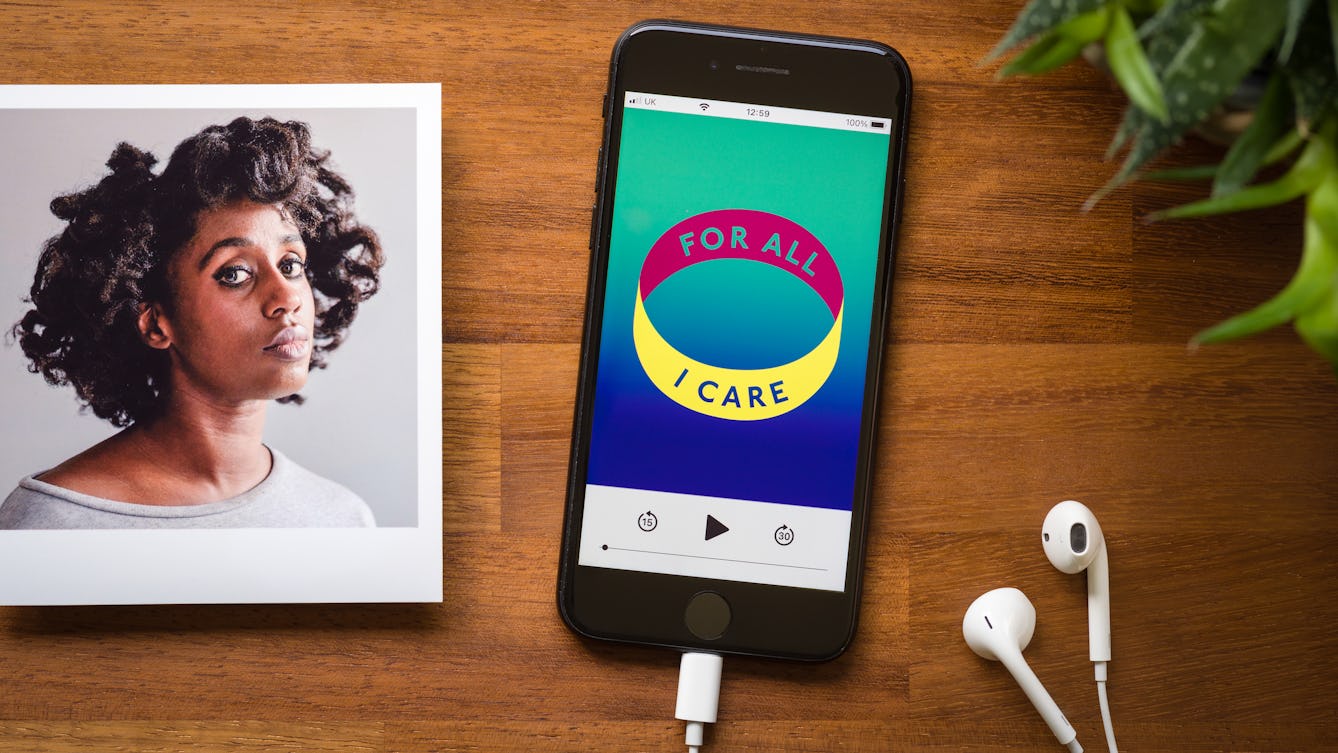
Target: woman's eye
{"x": 233, "y": 276}
{"x": 292, "y": 267}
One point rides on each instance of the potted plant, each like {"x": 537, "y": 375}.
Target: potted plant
{"x": 1180, "y": 62}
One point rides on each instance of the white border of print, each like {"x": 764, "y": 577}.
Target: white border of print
{"x": 391, "y": 564}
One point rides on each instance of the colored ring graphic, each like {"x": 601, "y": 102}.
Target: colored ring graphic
{"x": 738, "y": 394}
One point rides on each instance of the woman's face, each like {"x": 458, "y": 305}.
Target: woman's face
{"x": 240, "y": 324}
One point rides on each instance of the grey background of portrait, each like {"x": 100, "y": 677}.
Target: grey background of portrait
{"x": 358, "y": 425}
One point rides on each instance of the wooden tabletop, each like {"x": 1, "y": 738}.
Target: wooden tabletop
{"x": 1036, "y": 353}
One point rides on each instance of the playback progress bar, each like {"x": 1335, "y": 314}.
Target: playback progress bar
{"x": 608, "y": 548}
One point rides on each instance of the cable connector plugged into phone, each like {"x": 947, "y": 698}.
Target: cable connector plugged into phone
{"x": 698, "y": 694}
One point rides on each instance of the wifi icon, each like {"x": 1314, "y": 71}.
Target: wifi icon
{"x": 704, "y": 106}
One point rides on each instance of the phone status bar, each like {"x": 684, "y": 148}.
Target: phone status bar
{"x": 762, "y": 113}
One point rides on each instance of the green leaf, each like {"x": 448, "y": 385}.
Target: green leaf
{"x": 1059, "y": 45}
{"x": 1130, "y": 66}
{"x": 1195, "y": 172}
{"x": 1295, "y": 12}
{"x": 1314, "y": 164}
{"x": 1311, "y": 287}
{"x": 1318, "y": 326}
{"x": 1039, "y": 17}
{"x": 1333, "y": 27}
{"x": 1220, "y": 49}
{"x": 1311, "y": 69}
{"x": 1272, "y": 119}
{"x": 1170, "y": 21}
{"x": 1284, "y": 146}
{"x": 1143, "y": 7}
{"x": 1306, "y": 289}
{"x": 1046, "y": 54}
{"x": 1278, "y": 152}
{"x": 1163, "y": 35}
{"x": 1130, "y": 124}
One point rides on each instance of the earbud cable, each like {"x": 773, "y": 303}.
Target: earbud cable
{"x": 1105, "y": 705}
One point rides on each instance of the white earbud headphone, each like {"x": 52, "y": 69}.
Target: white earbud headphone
{"x": 1073, "y": 542}
{"x": 998, "y": 626}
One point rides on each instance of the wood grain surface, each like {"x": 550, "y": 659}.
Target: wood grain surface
{"x": 1036, "y": 353}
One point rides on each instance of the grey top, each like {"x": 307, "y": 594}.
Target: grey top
{"x": 289, "y": 497}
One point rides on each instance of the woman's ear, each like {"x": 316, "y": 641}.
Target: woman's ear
{"x": 154, "y": 328}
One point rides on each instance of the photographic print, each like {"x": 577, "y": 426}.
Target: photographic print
{"x": 220, "y": 370}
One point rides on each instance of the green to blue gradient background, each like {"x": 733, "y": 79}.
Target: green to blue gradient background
{"x": 737, "y": 313}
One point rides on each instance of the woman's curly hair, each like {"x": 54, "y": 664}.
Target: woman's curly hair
{"x": 93, "y": 278}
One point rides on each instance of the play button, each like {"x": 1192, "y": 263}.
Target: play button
{"x": 714, "y": 527}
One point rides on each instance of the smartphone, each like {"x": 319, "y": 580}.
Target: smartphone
{"x": 747, "y": 201}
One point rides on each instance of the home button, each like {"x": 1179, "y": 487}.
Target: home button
{"x": 707, "y": 615}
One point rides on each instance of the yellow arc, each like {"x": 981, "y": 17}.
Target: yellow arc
{"x": 734, "y": 394}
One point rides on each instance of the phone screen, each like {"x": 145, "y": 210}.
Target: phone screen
{"x": 739, "y": 300}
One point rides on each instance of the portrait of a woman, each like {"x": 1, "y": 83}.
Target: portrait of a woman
{"x": 178, "y": 305}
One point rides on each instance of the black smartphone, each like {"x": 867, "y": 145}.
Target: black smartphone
{"x": 748, "y": 193}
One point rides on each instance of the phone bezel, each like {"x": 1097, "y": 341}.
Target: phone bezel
{"x": 835, "y": 75}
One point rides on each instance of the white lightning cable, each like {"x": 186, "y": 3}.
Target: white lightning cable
{"x": 698, "y": 694}
{"x": 1105, "y": 705}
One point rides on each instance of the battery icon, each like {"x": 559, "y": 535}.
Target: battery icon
{"x": 878, "y": 124}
